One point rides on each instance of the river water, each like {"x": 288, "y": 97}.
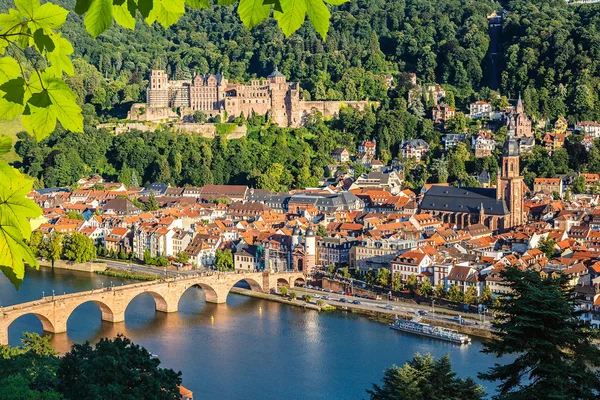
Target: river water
{"x": 279, "y": 352}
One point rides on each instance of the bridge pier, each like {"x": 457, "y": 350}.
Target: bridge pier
{"x": 4, "y": 336}
{"x": 113, "y": 316}
{"x": 59, "y": 326}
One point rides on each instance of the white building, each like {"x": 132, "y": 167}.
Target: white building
{"x": 480, "y": 109}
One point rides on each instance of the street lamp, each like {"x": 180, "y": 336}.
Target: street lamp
{"x": 42, "y": 294}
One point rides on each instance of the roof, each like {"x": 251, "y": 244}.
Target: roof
{"x": 463, "y": 199}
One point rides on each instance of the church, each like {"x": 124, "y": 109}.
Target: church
{"x": 499, "y": 208}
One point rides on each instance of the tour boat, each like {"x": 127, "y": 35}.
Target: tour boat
{"x": 437, "y": 332}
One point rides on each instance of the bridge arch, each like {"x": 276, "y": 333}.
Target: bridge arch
{"x": 283, "y": 282}
{"x": 161, "y": 303}
{"x": 298, "y": 280}
{"x": 47, "y": 325}
{"x": 108, "y": 314}
{"x": 254, "y": 284}
{"x": 211, "y": 294}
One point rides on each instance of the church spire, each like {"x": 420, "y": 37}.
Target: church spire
{"x": 520, "y": 108}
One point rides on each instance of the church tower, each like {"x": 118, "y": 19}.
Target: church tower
{"x": 509, "y": 185}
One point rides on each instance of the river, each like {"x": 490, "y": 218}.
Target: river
{"x": 279, "y": 352}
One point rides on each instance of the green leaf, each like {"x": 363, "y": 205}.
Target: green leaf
{"x": 336, "y": 2}
{"x": 145, "y": 7}
{"x": 292, "y": 16}
{"x": 42, "y": 41}
{"x": 275, "y": 3}
{"x": 14, "y": 90}
{"x": 46, "y": 16}
{"x": 45, "y": 106}
{"x": 82, "y": 6}
{"x": 65, "y": 103}
{"x": 5, "y": 144}
{"x": 124, "y": 15}
{"x": 9, "y": 69}
{"x": 198, "y": 3}
{"x": 15, "y": 211}
{"x": 99, "y": 17}
{"x": 15, "y": 207}
{"x": 9, "y": 110}
{"x": 59, "y": 58}
{"x": 253, "y": 12}
{"x": 319, "y": 16}
{"x": 166, "y": 12}
{"x": 226, "y": 2}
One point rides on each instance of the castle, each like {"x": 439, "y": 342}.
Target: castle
{"x": 214, "y": 95}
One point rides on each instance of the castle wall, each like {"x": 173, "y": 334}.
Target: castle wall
{"x": 329, "y": 109}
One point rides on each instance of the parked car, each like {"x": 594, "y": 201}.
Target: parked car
{"x": 343, "y": 300}
{"x": 325, "y": 297}
{"x": 340, "y": 292}
{"x": 355, "y": 301}
{"x": 422, "y": 312}
{"x": 390, "y": 307}
{"x": 316, "y": 296}
{"x": 365, "y": 296}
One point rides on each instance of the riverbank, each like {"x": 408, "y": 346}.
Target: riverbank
{"x": 140, "y": 276}
{"x": 383, "y": 316}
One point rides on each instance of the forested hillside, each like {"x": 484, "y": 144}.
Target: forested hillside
{"x": 552, "y": 56}
{"x": 441, "y": 40}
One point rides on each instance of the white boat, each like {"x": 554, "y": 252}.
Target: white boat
{"x": 437, "y": 332}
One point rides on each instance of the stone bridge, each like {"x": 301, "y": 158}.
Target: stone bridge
{"x": 54, "y": 311}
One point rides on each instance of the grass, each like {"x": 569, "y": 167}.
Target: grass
{"x": 127, "y": 275}
{"x": 11, "y": 128}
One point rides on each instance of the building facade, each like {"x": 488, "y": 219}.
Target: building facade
{"x": 214, "y": 95}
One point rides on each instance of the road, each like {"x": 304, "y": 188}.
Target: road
{"x": 159, "y": 271}
{"x": 400, "y": 308}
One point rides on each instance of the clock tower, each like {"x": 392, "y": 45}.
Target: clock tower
{"x": 509, "y": 184}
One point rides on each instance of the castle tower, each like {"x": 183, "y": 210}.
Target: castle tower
{"x": 295, "y": 237}
{"x": 310, "y": 247}
{"x": 157, "y": 95}
{"x": 510, "y": 184}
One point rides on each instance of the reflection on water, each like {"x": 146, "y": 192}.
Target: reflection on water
{"x": 247, "y": 348}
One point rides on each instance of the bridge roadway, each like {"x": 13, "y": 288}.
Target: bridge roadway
{"x": 54, "y": 311}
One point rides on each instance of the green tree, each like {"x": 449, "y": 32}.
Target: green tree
{"x": 412, "y": 283}
{"x": 554, "y": 352}
{"x": 578, "y": 186}
{"x": 79, "y": 248}
{"x": 486, "y": 295}
{"x": 397, "y": 282}
{"x": 426, "y": 289}
{"x": 470, "y": 295}
{"x": 74, "y": 215}
{"x": 440, "y": 290}
{"x": 370, "y": 277}
{"x": 383, "y": 277}
{"x": 148, "y": 259}
{"x": 183, "y": 257}
{"x": 283, "y": 290}
{"x": 224, "y": 260}
{"x": 307, "y": 298}
{"x": 321, "y": 231}
{"x": 293, "y": 295}
{"x": 88, "y": 372}
{"x": 547, "y": 246}
{"x": 36, "y": 242}
{"x": 455, "y": 294}
{"x": 53, "y": 247}
{"x": 425, "y": 378}
{"x": 345, "y": 273}
{"x": 151, "y": 204}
